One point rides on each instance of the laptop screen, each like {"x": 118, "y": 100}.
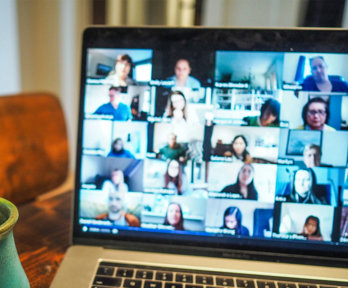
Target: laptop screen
{"x": 214, "y": 138}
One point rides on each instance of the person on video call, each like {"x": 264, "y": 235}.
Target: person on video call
{"x": 116, "y": 213}
{"x": 232, "y": 219}
{"x": 174, "y": 216}
{"x": 304, "y": 188}
{"x": 311, "y": 229}
{"x": 117, "y": 150}
{"x": 320, "y": 80}
{"x": 269, "y": 115}
{"x": 119, "y": 110}
{"x": 120, "y": 75}
{"x": 116, "y": 198}
{"x": 116, "y": 182}
{"x": 175, "y": 178}
{"x": 182, "y": 76}
{"x": 176, "y": 107}
{"x": 311, "y": 155}
{"x": 137, "y": 114}
{"x": 245, "y": 184}
{"x": 238, "y": 150}
{"x": 315, "y": 115}
{"x": 173, "y": 150}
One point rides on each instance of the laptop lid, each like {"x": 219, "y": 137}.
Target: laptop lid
{"x": 231, "y": 142}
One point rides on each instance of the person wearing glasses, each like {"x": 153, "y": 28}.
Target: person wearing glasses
{"x": 315, "y": 115}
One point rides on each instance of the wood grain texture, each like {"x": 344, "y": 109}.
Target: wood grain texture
{"x": 33, "y": 146}
{"x": 42, "y": 235}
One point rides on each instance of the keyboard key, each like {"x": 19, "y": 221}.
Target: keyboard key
{"x": 207, "y": 280}
{"x": 266, "y": 284}
{"x": 130, "y": 283}
{"x": 107, "y": 281}
{"x": 186, "y": 278}
{"x": 173, "y": 285}
{"x": 164, "y": 276}
{"x": 286, "y": 285}
{"x": 245, "y": 283}
{"x": 143, "y": 274}
{"x": 111, "y": 264}
{"x": 306, "y": 286}
{"x": 227, "y": 282}
{"x": 193, "y": 286}
{"x": 152, "y": 284}
{"x": 123, "y": 272}
{"x": 106, "y": 271}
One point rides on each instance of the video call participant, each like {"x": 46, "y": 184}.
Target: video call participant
{"x": 315, "y": 115}
{"x": 117, "y": 150}
{"x": 269, "y": 115}
{"x": 175, "y": 178}
{"x": 311, "y": 229}
{"x": 120, "y": 75}
{"x": 119, "y": 110}
{"x": 116, "y": 210}
{"x": 182, "y": 76}
{"x": 311, "y": 155}
{"x": 173, "y": 150}
{"x": 176, "y": 107}
{"x": 232, "y": 219}
{"x": 174, "y": 216}
{"x": 244, "y": 185}
{"x": 320, "y": 80}
{"x": 116, "y": 184}
{"x": 238, "y": 149}
{"x": 137, "y": 114}
{"x": 304, "y": 188}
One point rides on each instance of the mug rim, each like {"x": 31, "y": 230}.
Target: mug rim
{"x": 12, "y": 218}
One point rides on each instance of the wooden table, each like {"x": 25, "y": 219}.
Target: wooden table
{"x": 42, "y": 235}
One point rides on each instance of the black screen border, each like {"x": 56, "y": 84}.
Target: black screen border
{"x": 248, "y": 39}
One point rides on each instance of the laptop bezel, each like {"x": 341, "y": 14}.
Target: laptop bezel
{"x": 282, "y": 40}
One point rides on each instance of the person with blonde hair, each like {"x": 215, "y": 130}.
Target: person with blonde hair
{"x": 311, "y": 155}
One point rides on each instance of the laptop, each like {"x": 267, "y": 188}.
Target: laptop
{"x": 211, "y": 158}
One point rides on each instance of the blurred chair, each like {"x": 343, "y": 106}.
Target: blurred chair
{"x": 33, "y": 148}
{"x": 262, "y": 222}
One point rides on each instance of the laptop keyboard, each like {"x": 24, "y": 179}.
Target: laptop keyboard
{"x": 110, "y": 274}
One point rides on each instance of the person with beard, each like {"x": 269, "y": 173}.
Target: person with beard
{"x": 116, "y": 190}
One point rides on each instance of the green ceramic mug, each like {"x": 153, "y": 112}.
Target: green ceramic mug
{"x": 11, "y": 270}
